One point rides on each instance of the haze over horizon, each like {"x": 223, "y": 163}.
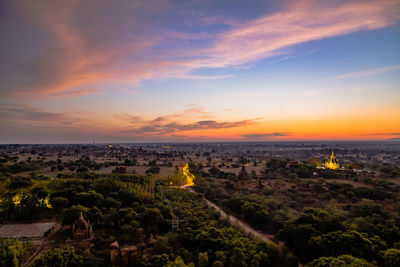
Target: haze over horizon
{"x": 176, "y": 71}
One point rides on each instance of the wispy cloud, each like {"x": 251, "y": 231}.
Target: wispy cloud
{"x": 71, "y": 93}
{"x": 187, "y": 120}
{"x": 28, "y": 114}
{"x": 228, "y": 109}
{"x": 388, "y": 136}
{"x": 70, "y": 54}
{"x": 302, "y": 22}
{"x": 200, "y": 77}
{"x": 190, "y": 112}
{"x": 265, "y": 135}
{"x": 154, "y": 127}
{"x": 385, "y": 134}
{"x": 366, "y": 73}
{"x": 366, "y": 88}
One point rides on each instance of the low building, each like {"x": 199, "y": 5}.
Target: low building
{"x": 125, "y": 256}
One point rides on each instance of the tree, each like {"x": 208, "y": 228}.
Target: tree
{"x": 19, "y": 182}
{"x": 256, "y": 260}
{"x": 390, "y": 232}
{"x": 341, "y": 261}
{"x": 275, "y": 163}
{"x": 217, "y": 264}
{"x": 159, "y": 260}
{"x": 112, "y": 202}
{"x": 297, "y": 236}
{"x": 39, "y": 192}
{"x": 261, "y": 218}
{"x": 220, "y": 256}
{"x": 243, "y": 160}
{"x": 94, "y": 215}
{"x": 153, "y": 170}
{"x": 238, "y": 258}
{"x": 82, "y": 169}
{"x": 130, "y": 162}
{"x": 178, "y": 262}
{"x": 265, "y": 261}
{"x": 66, "y": 257}
{"x": 350, "y": 242}
{"x": 203, "y": 259}
{"x": 151, "y": 218}
{"x": 59, "y": 203}
{"x": 160, "y": 245}
{"x": 72, "y": 213}
{"x": 14, "y": 252}
{"x": 89, "y": 199}
{"x": 303, "y": 172}
{"x": 248, "y": 209}
{"x": 389, "y": 258}
{"x": 315, "y": 162}
{"x": 8, "y": 255}
{"x": 60, "y": 167}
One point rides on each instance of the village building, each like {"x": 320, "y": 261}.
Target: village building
{"x": 125, "y": 256}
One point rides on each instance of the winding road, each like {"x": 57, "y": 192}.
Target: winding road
{"x": 247, "y": 229}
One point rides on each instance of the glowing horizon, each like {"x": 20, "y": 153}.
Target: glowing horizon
{"x": 160, "y": 71}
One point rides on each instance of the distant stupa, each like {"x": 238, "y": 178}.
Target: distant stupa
{"x": 332, "y": 163}
{"x": 242, "y": 174}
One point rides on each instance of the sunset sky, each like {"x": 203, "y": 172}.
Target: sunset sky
{"x": 199, "y": 70}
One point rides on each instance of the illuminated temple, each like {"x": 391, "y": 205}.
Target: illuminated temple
{"x": 332, "y": 163}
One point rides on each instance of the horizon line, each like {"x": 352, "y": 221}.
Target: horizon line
{"x": 234, "y": 141}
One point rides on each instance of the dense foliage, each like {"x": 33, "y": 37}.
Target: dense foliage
{"x": 15, "y": 252}
{"x": 318, "y": 219}
{"x": 133, "y": 209}
{"x": 324, "y": 221}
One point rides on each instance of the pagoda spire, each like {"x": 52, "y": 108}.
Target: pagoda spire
{"x": 332, "y": 163}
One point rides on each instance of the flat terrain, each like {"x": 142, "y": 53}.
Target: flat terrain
{"x": 23, "y": 230}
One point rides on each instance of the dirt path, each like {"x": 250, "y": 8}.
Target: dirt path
{"x": 45, "y": 246}
{"x": 247, "y": 229}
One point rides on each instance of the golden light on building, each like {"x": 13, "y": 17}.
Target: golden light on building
{"x": 332, "y": 163}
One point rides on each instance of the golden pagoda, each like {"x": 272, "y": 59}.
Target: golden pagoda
{"x": 332, "y": 163}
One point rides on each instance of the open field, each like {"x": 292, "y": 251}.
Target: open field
{"x": 29, "y": 231}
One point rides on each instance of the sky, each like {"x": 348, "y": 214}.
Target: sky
{"x": 80, "y": 71}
